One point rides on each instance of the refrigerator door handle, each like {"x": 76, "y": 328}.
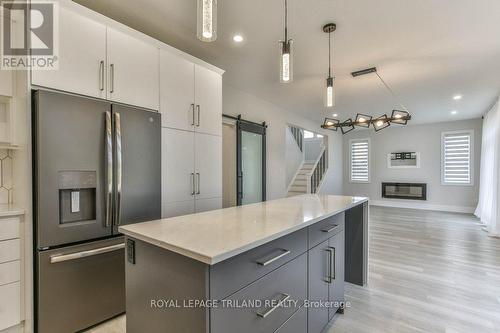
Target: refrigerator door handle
{"x": 119, "y": 167}
{"x": 109, "y": 170}
{"x": 84, "y": 254}
{"x": 198, "y": 183}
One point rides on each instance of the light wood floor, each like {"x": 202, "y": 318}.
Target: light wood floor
{"x": 428, "y": 272}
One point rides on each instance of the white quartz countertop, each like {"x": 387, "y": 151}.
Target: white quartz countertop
{"x": 7, "y": 210}
{"x": 217, "y": 235}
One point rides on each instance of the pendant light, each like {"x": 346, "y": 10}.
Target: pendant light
{"x": 330, "y": 97}
{"x": 286, "y": 60}
{"x": 207, "y": 20}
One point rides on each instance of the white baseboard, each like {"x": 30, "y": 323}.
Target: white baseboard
{"x": 422, "y": 205}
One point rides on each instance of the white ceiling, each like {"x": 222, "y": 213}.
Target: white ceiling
{"x": 426, "y": 50}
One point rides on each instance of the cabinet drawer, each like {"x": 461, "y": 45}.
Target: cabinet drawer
{"x": 325, "y": 229}
{"x": 10, "y": 305}
{"x": 10, "y": 272}
{"x": 9, "y": 250}
{"x": 287, "y": 283}
{"x": 296, "y": 324}
{"x": 233, "y": 274}
{"x": 9, "y": 228}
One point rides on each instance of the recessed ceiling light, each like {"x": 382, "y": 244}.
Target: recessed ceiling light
{"x": 457, "y": 97}
{"x": 454, "y": 112}
{"x": 238, "y": 38}
{"x": 335, "y": 115}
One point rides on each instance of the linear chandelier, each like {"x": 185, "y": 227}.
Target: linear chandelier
{"x": 399, "y": 117}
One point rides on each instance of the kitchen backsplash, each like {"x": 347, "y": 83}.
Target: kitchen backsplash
{"x": 6, "y": 186}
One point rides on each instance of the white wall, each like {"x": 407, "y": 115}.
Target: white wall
{"x": 312, "y": 148}
{"x": 293, "y": 156}
{"x": 425, "y": 139}
{"x": 252, "y": 108}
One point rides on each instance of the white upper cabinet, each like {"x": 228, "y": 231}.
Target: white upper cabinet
{"x": 208, "y": 166}
{"x": 82, "y": 56}
{"x": 133, "y": 67}
{"x": 208, "y": 99}
{"x": 176, "y": 91}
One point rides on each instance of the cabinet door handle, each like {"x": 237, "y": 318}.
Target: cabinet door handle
{"x": 283, "y": 299}
{"x": 328, "y": 230}
{"x": 279, "y": 256}
{"x": 198, "y": 111}
{"x": 331, "y": 266}
{"x": 101, "y": 75}
{"x": 112, "y": 78}
{"x": 198, "y": 186}
{"x": 192, "y": 110}
{"x": 193, "y": 191}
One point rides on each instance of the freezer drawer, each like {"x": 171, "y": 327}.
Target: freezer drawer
{"x": 80, "y": 286}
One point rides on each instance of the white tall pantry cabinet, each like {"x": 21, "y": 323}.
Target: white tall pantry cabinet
{"x": 191, "y": 107}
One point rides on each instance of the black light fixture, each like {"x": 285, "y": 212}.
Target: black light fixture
{"x": 399, "y": 117}
{"x": 347, "y": 126}
{"x": 381, "y": 122}
{"x": 331, "y": 124}
{"x": 207, "y": 20}
{"x": 286, "y": 59}
{"x": 363, "y": 120}
{"x": 329, "y": 96}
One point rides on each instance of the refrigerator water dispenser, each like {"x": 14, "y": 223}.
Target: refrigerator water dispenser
{"x": 77, "y": 196}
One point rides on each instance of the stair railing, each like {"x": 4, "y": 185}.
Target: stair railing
{"x": 298, "y": 135}
{"x": 315, "y": 177}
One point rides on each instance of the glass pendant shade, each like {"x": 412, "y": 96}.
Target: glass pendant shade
{"x": 399, "y": 117}
{"x": 363, "y": 120}
{"x": 207, "y": 20}
{"x": 381, "y": 123}
{"x": 330, "y": 97}
{"x": 286, "y": 61}
{"x": 330, "y": 124}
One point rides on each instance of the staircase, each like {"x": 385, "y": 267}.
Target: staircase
{"x": 310, "y": 176}
{"x": 299, "y": 185}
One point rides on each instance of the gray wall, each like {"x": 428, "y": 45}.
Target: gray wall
{"x": 294, "y": 157}
{"x": 235, "y": 102}
{"x": 425, "y": 139}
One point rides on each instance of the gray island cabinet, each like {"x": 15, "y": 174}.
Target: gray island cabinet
{"x": 277, "y": 266}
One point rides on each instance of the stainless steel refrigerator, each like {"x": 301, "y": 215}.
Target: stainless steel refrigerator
{"x": 97, "y": 165}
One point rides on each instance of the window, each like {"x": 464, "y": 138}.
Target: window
{"x": 360, "y": 160}
{"x": 308, "y": 135}
{"x": 456, "y": 157}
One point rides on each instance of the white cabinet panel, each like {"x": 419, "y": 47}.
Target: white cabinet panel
{"x": 208, "y": 96}
{"x": 82, "y": 56}
{"x": 10, "y": 272}
{"x": 9, "y": 228}
{"x": 177, "y": 209}
{"x": 10, "y": 305}
{"x": 176, "y": 91}
{"x": 133, "y": 70}
{"x": 177, "y": 165}
{"x": 208, "y": 166}
{"x": 6, "y": 83}
{"x": 203, "y": 205}
{"x": 9, "y": 250}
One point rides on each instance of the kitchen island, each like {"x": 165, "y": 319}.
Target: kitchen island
{"x": 276, "y": 266}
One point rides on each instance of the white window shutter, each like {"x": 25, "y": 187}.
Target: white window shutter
{"x": 456, "y": 158}
{"x": 360, "y": 160}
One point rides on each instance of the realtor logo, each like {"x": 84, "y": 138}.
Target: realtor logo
{"x": 30, "y": 32}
